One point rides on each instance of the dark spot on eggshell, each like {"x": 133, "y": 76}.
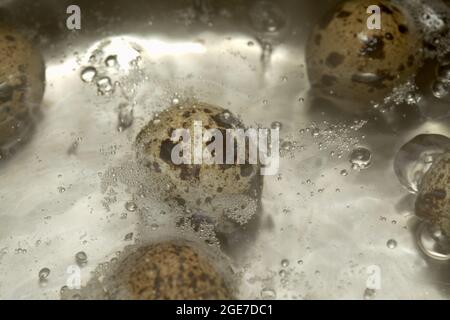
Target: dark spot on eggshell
{"x": 343, "y": 14}
{"x": 403, "y": 29}
{"x": 385, "y": 9}
{"x": 189, "y": 172}
{"x": 334, "y": 59}
{"x": 328, "y": 80}
{"x": 166, "y": 151}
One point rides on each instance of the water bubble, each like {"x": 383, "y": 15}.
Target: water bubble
{"x": 88, "y": 74}
{"x": 267, "y": 17}
{"x": 300, "y": 262}
{"x": 43, "y": 274}
{"x": 276, "y": 125}
{"x": 433, "y": 242}
{"x": 282, "y": 273}
{"x": 268, "y": 294}
{"x": 131, "y": 206}
{"x": 344, "y": 173}
{"x": 440, "y": 89}
{"x": 391, "y": 244}
{"x": 315, "y": 132}
{"x": 360, "y": 158}
{"x": 81, "y": 258}
{"x": 126, "y": 117}
{"x": 111, "y": 61}
{"x": 104, "y": 86}
{"x": 415, "y": 158}
{"x": 285, "y": 263}
{"x": 61, "y": 189}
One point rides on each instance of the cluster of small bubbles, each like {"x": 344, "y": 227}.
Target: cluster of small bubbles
{"x": 131, "y": 206}
{"x": 276, "y": 125}
{"x": 391, "y": 244}
{"x": 399, "y": 95}
{"x": 267, "y": 17}
{"x": 268, "y": 294}
{"x": 81, "y": 258}
{"x": 111, "y": 61}
{"x": 88, "y": 74}
{"x": 415, "y": 158}
{"x": 104, "y": 86}
{"x": 360, "y": 158}
{"x": 43, "y": 274}
{"x": 126, "y": 116}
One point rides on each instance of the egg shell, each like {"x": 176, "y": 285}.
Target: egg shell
{"x": 433, "y": 200}
{"x": 22, "y": 75}
{"x": 217, "y": 191}
{"x": 170, "y": 271}
{"x": 348, "y": 60}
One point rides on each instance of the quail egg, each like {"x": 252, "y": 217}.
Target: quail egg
{"x": 349, "y": 61}
{"x": 433, "y": 201}
{"x": 21, "y": 86}
{"x": 218, "y": 192}
{"x": 166, "y": 271}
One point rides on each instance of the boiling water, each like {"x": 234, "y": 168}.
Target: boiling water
{"x": 335, "y": 217}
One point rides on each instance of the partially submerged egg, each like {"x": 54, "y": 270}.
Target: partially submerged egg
{"x": 21, "y": 87}
{"x": 348, "y": 60}
{"x": 168, "y": 271}
{"x": 217, "y": 192}
{"x": 433, "y": 201}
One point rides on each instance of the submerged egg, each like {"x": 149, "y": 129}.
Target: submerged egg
{"x": 348, "y": 60}
{"x": 168, "y": 271}
{"x": 433, "y": 201}
{"x": 21, "y": 87}
{"x": 217, "y": 192}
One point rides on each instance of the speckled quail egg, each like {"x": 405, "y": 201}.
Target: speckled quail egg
{"x": 167, "y": 271}
{"x": 218, "y": 192}
{"x": 350, "y": 61}
{"x": 21, "y": 86}
{"x": 433, "y": 201}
